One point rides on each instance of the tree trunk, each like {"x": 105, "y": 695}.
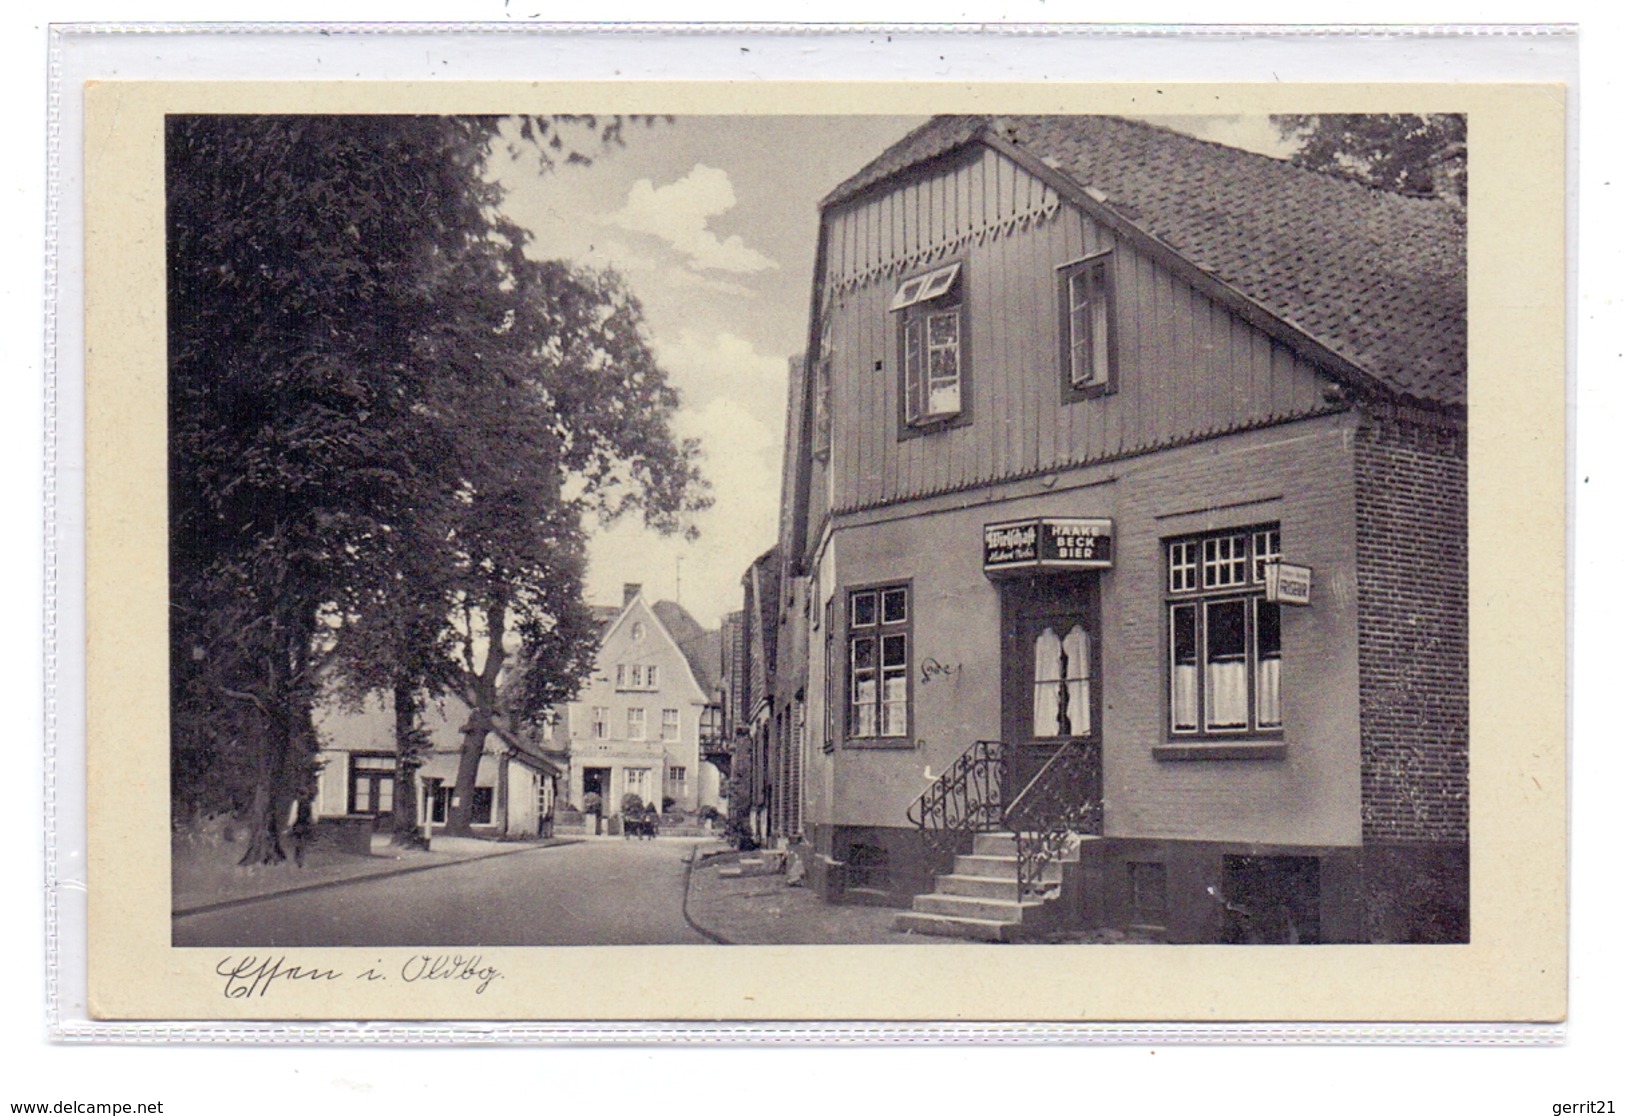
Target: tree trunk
{"x": 264, "y": 826}
{"x": 481, "y": 715}
{"x": 460, "y": 814}
{"x": 287, "y": 737}
{"x": 408, "y": 758}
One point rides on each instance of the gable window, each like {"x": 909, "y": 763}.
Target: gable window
{"x": 1088, "y": 329}
{"x": 636, "y": 676}
{"x": 932, "y": 348}
{"x": 878, "y": 629}
{"x": 1224, "y": 638}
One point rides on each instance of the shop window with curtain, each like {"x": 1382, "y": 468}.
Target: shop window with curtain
{"x": 1224, "y": 638}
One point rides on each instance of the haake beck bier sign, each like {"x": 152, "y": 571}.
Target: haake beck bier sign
{"x": 1047, "y": 543}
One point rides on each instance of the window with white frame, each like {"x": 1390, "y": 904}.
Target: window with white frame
{"x": 637, "y": 726}
{"x": 878, "y": 630}
{"x": 637, "y": 676}
{"x": 668, "y": 724}
{"x": 1224, "y": 638}
{"x": 637, "y": 782}
{"x": 676, "y": 780}
{"x": 372, "y": 783}
{"x": 1088, "y": 360}
{"x": 931, "y": 343}
{"x": 600, "y": 722}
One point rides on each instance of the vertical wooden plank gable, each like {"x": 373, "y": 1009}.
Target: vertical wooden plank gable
{"x": 1186, "y": 366}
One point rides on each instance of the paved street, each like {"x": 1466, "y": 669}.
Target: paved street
{"x": 592, "y": 893}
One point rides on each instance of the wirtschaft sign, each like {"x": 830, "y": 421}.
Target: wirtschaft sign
{"x": 1047, "y": 543}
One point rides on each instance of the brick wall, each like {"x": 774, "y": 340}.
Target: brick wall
{"x": 1411, "y": 513}
{"x": 1300, "y": 476}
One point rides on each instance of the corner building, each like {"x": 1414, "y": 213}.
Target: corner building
{"x": 1125, "y": 542}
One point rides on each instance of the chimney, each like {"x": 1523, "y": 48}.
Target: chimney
{"x": 629, "y": 590}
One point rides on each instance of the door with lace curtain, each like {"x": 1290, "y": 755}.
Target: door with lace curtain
{"x": 1051, "y": 670}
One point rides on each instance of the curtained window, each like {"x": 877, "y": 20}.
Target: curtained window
{"x": 1224, "y": 638}
{"x": 1061, "y": 696}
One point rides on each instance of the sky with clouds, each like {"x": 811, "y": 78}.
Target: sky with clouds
{"x": 713, "y": 223}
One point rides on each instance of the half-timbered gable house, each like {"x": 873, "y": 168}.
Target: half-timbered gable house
{"x": 1125, "y": 527}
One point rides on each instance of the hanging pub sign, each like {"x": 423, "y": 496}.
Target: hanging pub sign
{"x": 1285, "y": 583}
{"x": 1048, "y": 543}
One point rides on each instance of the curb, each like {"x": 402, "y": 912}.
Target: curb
{"x": 688, "y": 880}
{"x": 323, "y": 885}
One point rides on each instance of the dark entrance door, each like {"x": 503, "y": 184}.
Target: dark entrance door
{"x": 595, "y": 780}
{"x": 1050, "y": 671}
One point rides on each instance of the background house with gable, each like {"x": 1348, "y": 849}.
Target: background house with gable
{"x": 638, "y": 723}
{"x": 1081, "y": 394}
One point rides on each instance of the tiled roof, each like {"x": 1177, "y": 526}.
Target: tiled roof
{"x": 702, "y": 649}
{"x": 1378, "y": 278}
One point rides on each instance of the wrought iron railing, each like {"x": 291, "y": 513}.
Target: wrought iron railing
{"x": 965, "y": 800}
{"x": 1060, "y": 802}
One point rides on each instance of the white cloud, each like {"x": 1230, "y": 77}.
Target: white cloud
{"x": 742, "y": 460}
{"x": 605, "y": 252}
{"x": 679, "y": 214}
{"x": 682, "y": 278}
{"x": 706, "y": 365}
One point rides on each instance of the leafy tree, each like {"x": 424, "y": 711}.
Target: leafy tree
{"x": 373, "y": 416}
{"x": 1392, "y": 151}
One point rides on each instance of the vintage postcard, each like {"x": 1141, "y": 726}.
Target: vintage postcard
{"x": 901, "y": 552}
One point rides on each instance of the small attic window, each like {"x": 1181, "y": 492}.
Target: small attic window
{"x": 923, "y": 288}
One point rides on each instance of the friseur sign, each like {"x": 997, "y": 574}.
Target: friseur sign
{"x": 1048, "y": 543}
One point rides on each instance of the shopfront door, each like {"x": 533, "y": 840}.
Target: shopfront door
{"x": 1050, "y": 670}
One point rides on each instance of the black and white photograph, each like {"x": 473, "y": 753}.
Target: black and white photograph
{"x": 840, "y": 530}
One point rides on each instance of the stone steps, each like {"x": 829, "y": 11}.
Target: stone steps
{"x": 979, "y": 899}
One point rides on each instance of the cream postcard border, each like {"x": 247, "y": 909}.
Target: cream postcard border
{"x": 1514, "y": 969}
